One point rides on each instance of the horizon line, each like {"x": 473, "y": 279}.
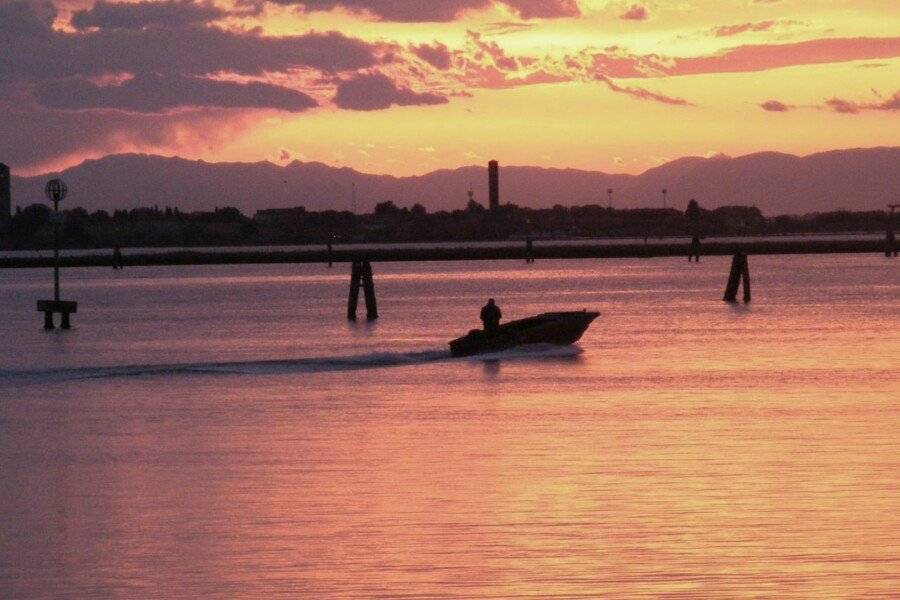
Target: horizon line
{"x": 715, "y": 156}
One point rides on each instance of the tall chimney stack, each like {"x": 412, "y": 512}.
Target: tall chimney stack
{"x": 494, "y": 184}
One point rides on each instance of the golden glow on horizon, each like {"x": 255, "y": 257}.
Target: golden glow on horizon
{"x": 591, "y": 128}
{"x": 577, "y": 123}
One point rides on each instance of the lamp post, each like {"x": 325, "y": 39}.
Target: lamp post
{"x": 609, "y": 193}
{"x": 56, "y": 191}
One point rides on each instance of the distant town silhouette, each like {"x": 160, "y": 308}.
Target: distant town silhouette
{"x": 35, "y": 227}
{"x": 32, "y": 228}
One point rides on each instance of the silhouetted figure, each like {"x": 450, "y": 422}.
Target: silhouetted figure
{"x": 117, "y": 258}
{"x": 529, "y": 250}
{"x": 890, "y": 242}
{"x": 490, "y": 317}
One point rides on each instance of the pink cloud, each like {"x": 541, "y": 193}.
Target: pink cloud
{"x": 544, "y": 9}
{"x": 480, "y": 48}
{"x": 775, "y": 106}
{"x": 849, "y": 107}
{"x": 643, "y": 94}
{"x": 635, "y": 13}
{"x": 437, "y": 55}
{"x": 762, "y": 57}
{"x": 729, "y": 30}
{"x": 842, "y": 106}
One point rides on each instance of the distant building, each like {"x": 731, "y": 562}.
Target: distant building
{"x": 494, "y": 184}
{"x": 5, "y": 194}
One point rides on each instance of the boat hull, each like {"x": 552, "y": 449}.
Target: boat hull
{"x": 557, "y": 328}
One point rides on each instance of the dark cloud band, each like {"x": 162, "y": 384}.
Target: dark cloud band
{"x": 375, "y": 91}
{"x": 152, "y": 93}
{"x": 409, "y": 11}
{"x": 125, "y": 15}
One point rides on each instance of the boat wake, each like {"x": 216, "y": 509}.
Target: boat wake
{"x": 322, "y": 364}
{"x": 529, "y": 352}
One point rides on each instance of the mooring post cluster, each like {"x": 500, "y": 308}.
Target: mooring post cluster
{"x": 740, "y": 271}
{"x": 361, "y": 276}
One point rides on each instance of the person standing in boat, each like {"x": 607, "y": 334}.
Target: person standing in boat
{"x": 490, "y": 316}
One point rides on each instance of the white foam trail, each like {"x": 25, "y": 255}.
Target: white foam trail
{"x": 530, "y": 352}
{"x": 322, "y": 364}
{"x": 250, "y": 367}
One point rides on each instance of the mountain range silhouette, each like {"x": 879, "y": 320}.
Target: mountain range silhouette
{"x": 853, "y": 179}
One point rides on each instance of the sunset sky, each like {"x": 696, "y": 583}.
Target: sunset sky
{"x": 409, "y": 86}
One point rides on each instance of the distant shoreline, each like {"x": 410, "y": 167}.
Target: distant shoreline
{"x": 422, "y": 253}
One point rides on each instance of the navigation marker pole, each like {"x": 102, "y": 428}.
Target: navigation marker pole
{"x": 56, "y": 191}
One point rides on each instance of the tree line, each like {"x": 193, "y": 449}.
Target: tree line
{"x": 32, "y": 227}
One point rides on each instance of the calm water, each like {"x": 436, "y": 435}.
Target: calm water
{"x": 223, "y": 432}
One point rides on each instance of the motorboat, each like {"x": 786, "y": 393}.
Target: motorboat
{"x": 557, "y": 328}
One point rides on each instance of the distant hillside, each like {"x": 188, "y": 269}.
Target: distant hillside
{"x": 858, "y": 179}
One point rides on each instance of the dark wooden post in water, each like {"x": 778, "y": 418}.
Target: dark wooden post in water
{"x": 740, "y": 270}
{"x": 369, "y": 290}
{"x": 328, "y": 246}
{"x": 693, "y": 217}
{"x": 56, "y": 191}
{"x": 354, "y": 291}
{"x": 361, "y": 276}
{"x": 890, "y": 240}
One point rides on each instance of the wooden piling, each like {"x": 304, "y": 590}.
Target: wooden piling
{"x": 694, "y": 252}
{"x": 355, "y": 272}
{"x": 369, "y": 290}
{"x": 361, "y": 276}
{"x": 740, "y": 271}
{"x": 890, "y": 240}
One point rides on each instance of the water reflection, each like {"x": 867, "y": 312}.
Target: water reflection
{"x": 491, "y": 368}
{"x": 688, "y": 451}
